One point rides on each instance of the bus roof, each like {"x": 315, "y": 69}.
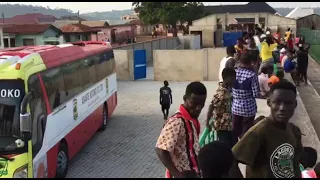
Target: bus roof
{"x": 53, "y": 56}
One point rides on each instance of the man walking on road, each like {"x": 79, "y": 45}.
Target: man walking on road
{"x": 178, "y": 144}
{"x": 165, "y": 99}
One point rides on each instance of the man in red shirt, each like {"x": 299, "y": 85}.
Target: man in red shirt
{"x": 277, "y": 35}
{"x": 178, "y": 144}
{"x": 290, "y": 42}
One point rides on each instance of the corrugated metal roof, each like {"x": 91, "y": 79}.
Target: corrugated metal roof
{"x": 30, "y": 18}
{"x": 77, "y": 28}
{"x": 251, "y": 7}
{"x": 300, "y": 12}
{"x": 135, "y": 22}
{"x": 116, "y": 22}
{"x": 27, "y": 28}
{"x": 95, "y": 23}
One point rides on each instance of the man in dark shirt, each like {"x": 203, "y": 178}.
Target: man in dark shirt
{"x": 302, "y": 62}
{"x": 165, "y": 99}
{"x": 272, "y": 147}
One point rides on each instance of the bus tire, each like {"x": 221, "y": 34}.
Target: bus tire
{"x": 62, "y": 161}
{"x": 104, "y": 118}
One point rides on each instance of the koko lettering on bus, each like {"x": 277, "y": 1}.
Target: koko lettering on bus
{"x": 10, "y": 93}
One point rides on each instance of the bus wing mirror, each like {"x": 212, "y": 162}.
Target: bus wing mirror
{"x": 25, "y": 117}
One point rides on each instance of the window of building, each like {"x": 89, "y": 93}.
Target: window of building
{"x": 28, "y": 42}
{"x": 67, "y": 38}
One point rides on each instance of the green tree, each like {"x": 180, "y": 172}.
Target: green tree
{"x": 191, "y": 12}
{"x": 168, "y": 12}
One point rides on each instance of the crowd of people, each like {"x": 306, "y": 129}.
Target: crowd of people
{"x": 270, "y": 146}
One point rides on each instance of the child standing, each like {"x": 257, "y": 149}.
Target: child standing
{"x": 220, "y": 107}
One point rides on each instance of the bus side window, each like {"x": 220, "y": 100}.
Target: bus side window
{"x": 54, "y": 83}
{"x": 101, "y": 66}
{"x": 38, "y": 113}
{"x": 87, "y": 72}
{"x": 110, "y": 62}
{"x": 72, "y": 79}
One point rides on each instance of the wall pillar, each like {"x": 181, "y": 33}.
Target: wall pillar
{"x": 1, "y": 38}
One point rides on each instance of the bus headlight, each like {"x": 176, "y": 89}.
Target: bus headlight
{"x": 21, "y": 172}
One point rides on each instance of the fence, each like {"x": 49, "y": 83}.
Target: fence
{"x": 149, "y": 46}
{"x": 312, "y": 37}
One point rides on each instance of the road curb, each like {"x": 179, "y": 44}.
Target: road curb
{"x": 311, "y": 139}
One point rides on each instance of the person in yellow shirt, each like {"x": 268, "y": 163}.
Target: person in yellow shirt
{"x": 267, "y": 47}
{"x": 287, "y": 35}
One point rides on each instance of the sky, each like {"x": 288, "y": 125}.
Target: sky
{"x": 85, "y": 7}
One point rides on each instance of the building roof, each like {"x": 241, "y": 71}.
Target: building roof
{"x": 71, "y": 18}
{"x": 95, "y": 23}
{"x": 299, "y": 12}
{"x": 30, "y": 18}
{"x": 61, "y": 23}
{"x": 117, "y": 22}
{"x": 28, "y": 28}
{"x": 77, "y": 28}
{"x": 251, "y": 7}
{"x": 135, "y": 22}
{"x": 310, "y": 15}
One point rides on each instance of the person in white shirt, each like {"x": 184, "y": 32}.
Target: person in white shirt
{"x": 257, "y": 35}
{"x": 228, "y": 61}
{"x": 263, "y": 81}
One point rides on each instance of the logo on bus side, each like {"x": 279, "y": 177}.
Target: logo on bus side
{"x": 3, "y": 167}
{"x": 75, "y": 109}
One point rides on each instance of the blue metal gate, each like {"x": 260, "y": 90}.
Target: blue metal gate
{"x": 139, "y": 64}
{"x": 230, "y": 38}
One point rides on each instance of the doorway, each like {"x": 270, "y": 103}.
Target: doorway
{"x": 113, "y": 35}
{"x": 198, "y": 33}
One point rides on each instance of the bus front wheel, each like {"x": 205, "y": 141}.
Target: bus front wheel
{"x": 62, "y": 161}
{"x": 104, "y": 118}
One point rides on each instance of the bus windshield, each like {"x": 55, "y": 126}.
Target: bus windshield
{"x": 11, "y": 94}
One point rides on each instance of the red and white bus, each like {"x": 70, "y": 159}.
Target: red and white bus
{"x": 54, "y": 99}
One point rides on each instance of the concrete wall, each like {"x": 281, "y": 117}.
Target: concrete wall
{"x": 190, "y": 41}
{"x": 149, "y": 46}
{"x": 178, "y": 65}
{"x": 1, "y": 38}
{"x": 188, "y": 65}
{"x": 282, "y": 23}
{"x": 124, "y": 64}
{"x": 124, "y": 54}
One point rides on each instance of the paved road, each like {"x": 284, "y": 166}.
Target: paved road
{"x": 126, "y": 148}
